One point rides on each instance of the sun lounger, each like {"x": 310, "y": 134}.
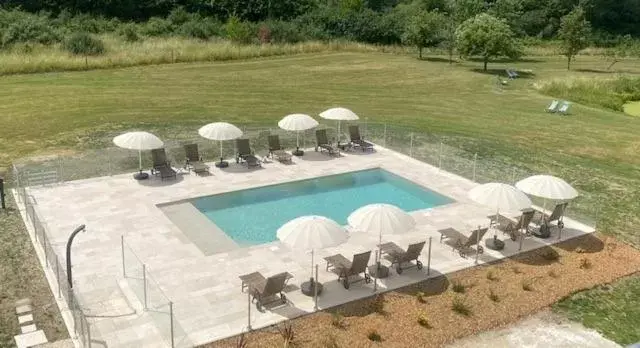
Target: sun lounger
{"x": 553, "y": 107}
{"x": 345, "y": 269}
{"x": 398, "y": 256}
{"x": 564, "y": 108}
{"x": 246, "y": 154}
{"x": 511, "y": 226}
{"x": 262, "y": 289}
{"x": 356, "y": 139}
{"x": 322, "y": 142}
{"x": 462, "y": 243}
{"x": 161, "y": 165}
{"x": 544, "y": 220}
{"x": 511, "y": 73}
{"x": 194, "y": 160}
{"x": 276, "y": 150}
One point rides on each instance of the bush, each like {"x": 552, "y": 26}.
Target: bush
{"x": 420, "y": 296}
{"x": 585, "y": 263}
{"x": 457, "y": 286}
{"x": 424, "y": 321}
{"x": 19, "y": 27}
{"x": 199, "y": 28}
{"x": 287, "y": 333}
{"x": 129, "y": 32}
{"x": 493, "y": 296}
{"x": 239, "y": 31}
{"x": 460, "y": 306}
{"x": 378, "y": 304}
{"x": 84, "y": 44}
{"x": 157, "y": 27}
{"x": 374, "y": 336}
{"x": 286, "y": 32}
{"x": 491, "y": 276}
{"x": 527, "y": 285}
{"x": 337, "y": 320}
{"x": 264, "y": 34}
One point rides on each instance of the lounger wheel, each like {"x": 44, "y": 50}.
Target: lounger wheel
{"x": 367, "y": 278}
{"x": 560, "y": 224}
{"x": 399, "y": 269}
{"x": 462, "y": 254}
{"x": 283, "y": 298}
{"x": 345, "y": 282}
{"x": 418, "y": 264}
{"x": 513, "y": 236}
{"x": 480, "y": 249}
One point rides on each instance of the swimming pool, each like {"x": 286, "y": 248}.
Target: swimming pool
{"x": 253, "y": 216}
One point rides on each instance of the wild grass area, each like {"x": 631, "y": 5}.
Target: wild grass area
{"x": 593, "y": 148}
{"x": 612, "y": 309}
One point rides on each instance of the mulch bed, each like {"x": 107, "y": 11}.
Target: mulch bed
{"x": 524, "y": 284}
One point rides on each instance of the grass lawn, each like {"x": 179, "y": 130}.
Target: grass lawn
{"x": 595, "y": 149}
{"x": 614, "y": 310}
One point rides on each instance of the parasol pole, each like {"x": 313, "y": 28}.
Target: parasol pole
{"x": 140, "y": 160}
{"x": 221, "y": 156}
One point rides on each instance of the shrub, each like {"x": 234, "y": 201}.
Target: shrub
{"x": 527, "y": 285}
{"x": 378, "y": 304}
{"x": 458, "y": 287}
{"x": 493, "y": 296}
{"x": 330, "y": 342}
{"x": 238, "y": 31}
{"x": 241, "y": 342}
{"x": 178, "y": 16}
{"x": 337, "y": 320}
{"x": 84, "y": 44}
{"x": 129, "y": 32}
{"x": 550, "y": 255}
{"x": 264, "y": 34}
{"x": 287, "y": 32}
{"x": 491, "y": 276}
{"x": 516, "y": 270}
{"x": 374, "y": 336}
{"x": 460, "y": 306}
{"x": 424, "y": 321}
{"x": 157, "y": 27}
{"x": 553, "y": 274}
{"x": 585, "y": 263}
{"x": 420, "y": 296}
{"x": 27, "y": 28}
{"x": 287, "y": 333}
{"x": 199, "y": 29}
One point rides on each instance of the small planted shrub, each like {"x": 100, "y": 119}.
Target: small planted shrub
{"x": 337, "y": 320}
{"x": 287, "y": 333}
{"x": 424, "y": 321}
{"x": 460, "y": 306}
{"x": 330, "y": 341}
{"x": 493, "y": 296}
{"x": 516, "y": 270}
{"x": 580, "y": 250}
{"x": 458, "y": 287}
{"x": 374, "y": 336}
{"x": 527, "y": 285}
{"x": 550, "y": 255}
{"x": 241, "y": 342}
{"x": 264, "y": 34}
{"x": 492, "y": 276}
{"x": 585, "y": 263}
{"x": 239, "y": 31}
{"x": 553, "y": 274}
{"x": 420, "y": 296}
{"x": 129, "y": 33}
{"x": 83, "y": 44}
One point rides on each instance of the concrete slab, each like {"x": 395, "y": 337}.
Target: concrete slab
{"x": 30, "y": 339}
{"x": 28, "y": 328}
{"x": 25, "y": 319}
{"x": 24, "y": 309}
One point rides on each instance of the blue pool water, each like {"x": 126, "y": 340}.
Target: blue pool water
{"x": 253, "y": 216}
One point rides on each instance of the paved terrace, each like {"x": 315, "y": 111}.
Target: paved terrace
{"x": 204, "y": 286}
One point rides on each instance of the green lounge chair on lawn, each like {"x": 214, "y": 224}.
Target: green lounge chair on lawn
{"x": 322, "y": 142}
{"x": 276, "y": 150}
{"x": 194, "y": 160}
{"x": 246, "y": 154}
{"x": 553, "y": 107}
{"x": 564, "y": 108}
{"x": 345, "y": 269}
{"x": 161, "y": 165}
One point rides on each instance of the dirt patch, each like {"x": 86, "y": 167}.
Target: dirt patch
{"x": 492, "y": 295}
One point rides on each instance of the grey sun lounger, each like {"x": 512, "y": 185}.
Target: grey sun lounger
{"x": 553, "y": 107}
{"x": 511, "y": 226}
{"x": 266, "y": 290}
{"x": 512, "y": 73}
{"x": 564, "y": 108}
{"x": 161, "y": 165}
{"x": 322, "y": 142}
{"x": 276, "y": 150}
{"x": 462, "y": 243}
{"x": 398, "y": 256}
{"x": 544, "y": 220}
{"x": 194, "y": 160}
{"x": 246, "y": 154}
{"x": 346, "y": 269}
{"x": 356, "y": 139}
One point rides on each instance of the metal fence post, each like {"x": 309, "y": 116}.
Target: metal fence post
{"x": 144, "y": 284}
{"x": 61, "y": 174}
{"x": 124, "y": 268}
{"x": 58, "y": 276}
{"x": 513, "y": 176}
{"x": 429, "y": 257}
{"x": 171, "y": 323}
{"x": 249, "y": 310}
{"x": 440, "y": 156}
{"x": 475, "y": 160}
{"x": 411, "y": 146}
{"x": 109, "y": 162}
{"x": 88, "y": 331}
{"x": 384, "y": 136}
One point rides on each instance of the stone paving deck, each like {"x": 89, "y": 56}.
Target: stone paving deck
{"x": 202, "y": 282}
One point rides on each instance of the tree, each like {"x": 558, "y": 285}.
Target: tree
{"x": 423, "y": 30}
{"x": 486, "y": 36}
{"x": 574, "y": 33}
{"x": 449, "y": 37}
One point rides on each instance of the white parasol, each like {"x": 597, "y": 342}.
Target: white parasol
{"x": 220, "y": 131}
{"x": 138, "y": 141}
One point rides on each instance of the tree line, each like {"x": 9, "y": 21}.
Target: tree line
{"x": 540, "y": 18}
